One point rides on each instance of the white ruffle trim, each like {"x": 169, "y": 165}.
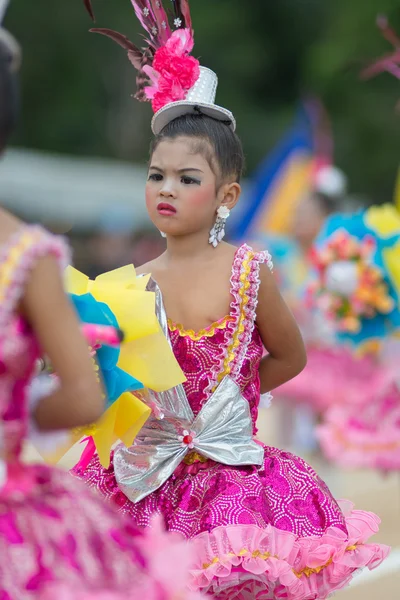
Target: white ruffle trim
{"x": 266, "y": 400}
{"x": 44, "y": 441}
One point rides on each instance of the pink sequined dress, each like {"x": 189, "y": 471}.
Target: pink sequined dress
{"x": 266, "y": 532}
{"x": 59, "y": 539}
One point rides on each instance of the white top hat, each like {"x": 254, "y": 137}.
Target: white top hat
{"x": 199, "y": 100}
{"x": 166, "y": 75}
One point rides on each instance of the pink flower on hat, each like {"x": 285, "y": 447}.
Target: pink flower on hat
{"x": 174, "y": 72}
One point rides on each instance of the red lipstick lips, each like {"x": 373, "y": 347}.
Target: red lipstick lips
{"x": 166, "y": 209}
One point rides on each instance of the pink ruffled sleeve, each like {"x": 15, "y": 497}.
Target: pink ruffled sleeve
{"x": 17, "y": 260}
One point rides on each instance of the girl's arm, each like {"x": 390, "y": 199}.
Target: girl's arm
{"x": 78, "y": 400}
{"x": 280, "y": 335}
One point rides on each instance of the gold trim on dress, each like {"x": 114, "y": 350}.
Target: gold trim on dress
{"x": 13, "y": 258}
{"x": 244, "y": 299}
{"x": 197, "y": 335}
{"x": 194, "y": 457}
{"x": 307, "y": 571}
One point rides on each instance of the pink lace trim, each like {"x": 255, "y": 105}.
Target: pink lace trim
{"x": 250, "y": 309}
{"x": 264, "y": 257}
{"x": 239, "y": 556}
{"x": 246, "y": 265}
{"x": 19, "y": 256}
{"x": 231, "y": 325}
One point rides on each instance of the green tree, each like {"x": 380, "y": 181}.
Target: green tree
{"x": 77, "y": 87}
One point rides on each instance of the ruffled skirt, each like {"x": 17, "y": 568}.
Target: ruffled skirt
{"x": 58, "y": 539}
{"x": 335, "y": 376}
{"x": 364, "y": 437}
{"x": 266, "y": 532}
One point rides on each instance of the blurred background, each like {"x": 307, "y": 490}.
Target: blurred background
{"x": 78, "y": 161}
{"x": 81, "y": 148}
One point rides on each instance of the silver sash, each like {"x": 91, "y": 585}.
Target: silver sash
{"x": 222, "y": 431}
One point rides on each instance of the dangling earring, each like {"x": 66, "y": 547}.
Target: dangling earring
{"x": 163, "y": 235}
{"x": 217, "y": 233}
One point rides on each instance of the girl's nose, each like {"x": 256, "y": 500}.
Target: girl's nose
{"x": 168, "y": 189}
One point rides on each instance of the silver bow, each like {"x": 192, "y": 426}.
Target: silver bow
{"x": 222, "y": 431}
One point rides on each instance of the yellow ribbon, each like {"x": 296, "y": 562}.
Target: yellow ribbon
{"x": 145, "y": 354}
{"x": 122, "y": 421}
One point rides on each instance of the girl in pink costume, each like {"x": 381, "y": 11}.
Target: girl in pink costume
{"x": 57, "y": 538}
{"x": 263, "y": 523}
{"x": 368, "y": 434}
{"x": 302, "y": 399}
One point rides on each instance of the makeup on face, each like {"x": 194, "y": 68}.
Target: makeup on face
{"x": 165, "y": 209}
{"x": 181, "y": 187}
{"x": 186, "y": 176}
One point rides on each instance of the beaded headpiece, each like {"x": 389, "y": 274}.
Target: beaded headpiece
{"x": 168, "y": 75}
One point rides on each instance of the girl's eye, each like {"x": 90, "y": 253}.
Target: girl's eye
{"x": 155, "y": 177}
{"x": 189, "y": 180}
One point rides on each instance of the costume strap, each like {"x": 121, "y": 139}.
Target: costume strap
{"x": 17, "y": 260}
{"x": 245, "y": 283}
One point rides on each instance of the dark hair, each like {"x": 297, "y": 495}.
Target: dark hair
{"x": 214, "y": 139}
{"x": 9, "y": 94}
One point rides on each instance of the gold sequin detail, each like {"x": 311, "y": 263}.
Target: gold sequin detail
{"x": 197, "y": 335}
{"x": 194, "y": 457}
{"x": 307, "y": 571}
{"x": 13, "y": 259}
{"x": 244, "y": 299}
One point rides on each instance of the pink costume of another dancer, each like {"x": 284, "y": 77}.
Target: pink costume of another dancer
{"x": 264, "y": 529}
{"x": 369, "y": 436}
{"x": 57, "y": 538}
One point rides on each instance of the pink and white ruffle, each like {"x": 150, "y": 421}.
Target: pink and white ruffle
{"x": 240, "y": 562}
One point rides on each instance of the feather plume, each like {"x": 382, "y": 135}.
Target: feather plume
{"x": 388, "y": 33}
{"x": 119, "y": 38}
{"x": 185, "y": 11}
{"x": 144, "y": 13}
{"x": 161, "y": 18}
{"x": 89, "y": 8}
{"x": 390, "y": 62}
{"x": 177, "y": 11}
{"x": 386, "y": 63}
{"x": 154, "y": 19}
{"x": 141, "y": 79}
{"x": 136, "y": 58}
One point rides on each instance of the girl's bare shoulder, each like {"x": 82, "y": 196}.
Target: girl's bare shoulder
{"x": 151, "y": 267}
{"x": 8, "y": 226}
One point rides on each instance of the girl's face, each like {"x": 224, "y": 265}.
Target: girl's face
{"x": 181, "y": 195}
